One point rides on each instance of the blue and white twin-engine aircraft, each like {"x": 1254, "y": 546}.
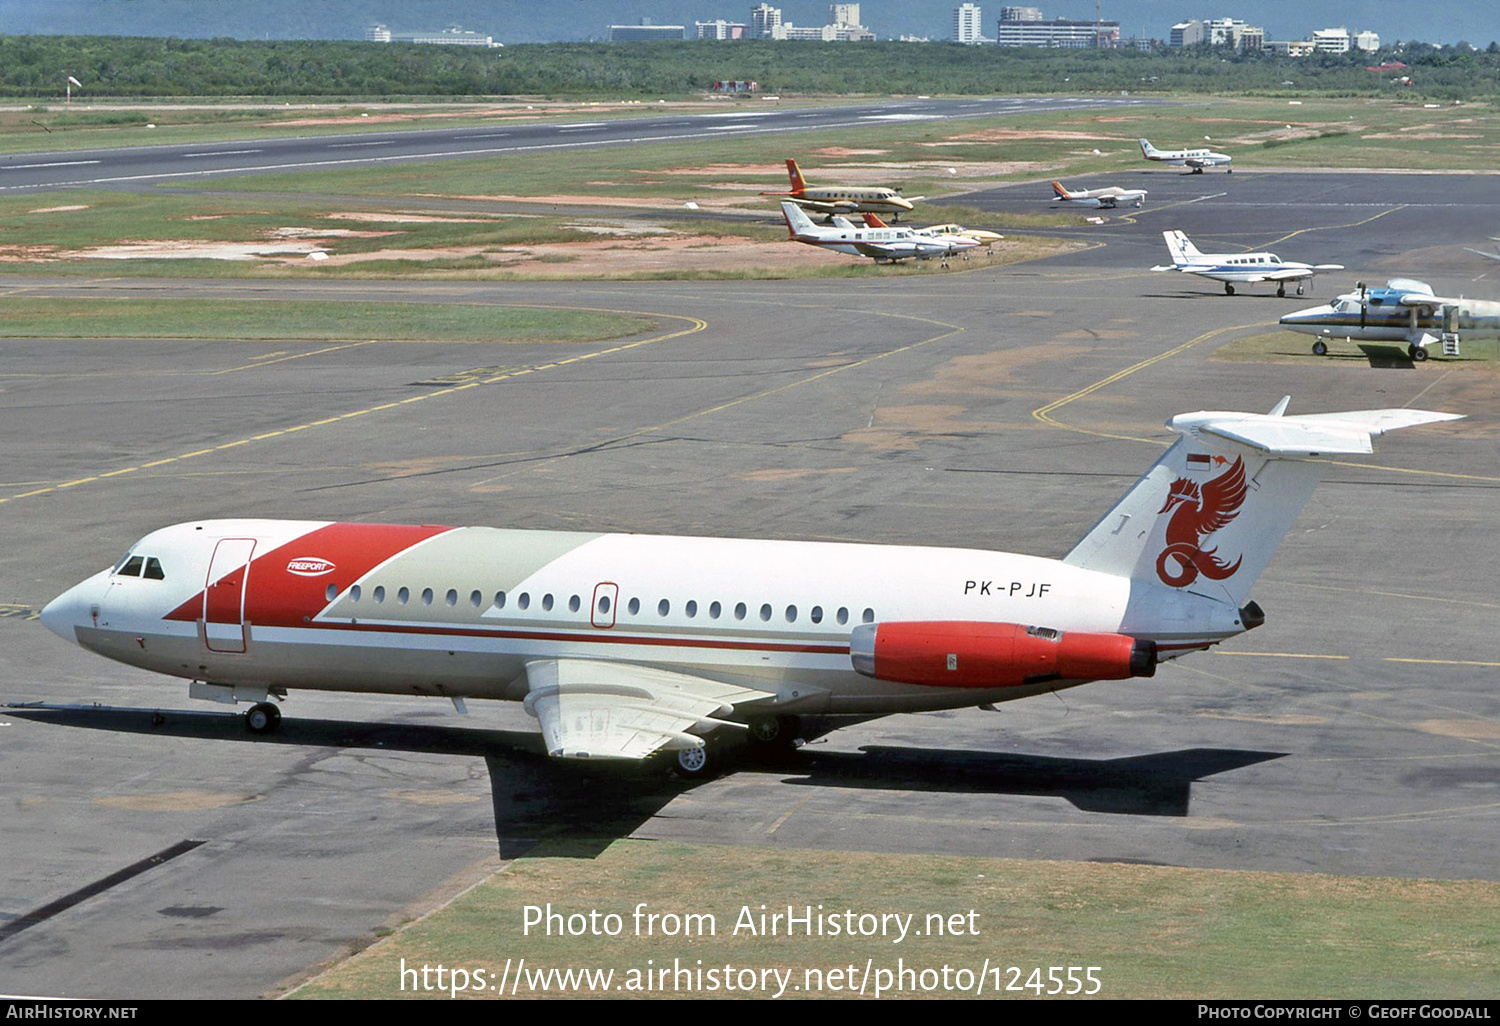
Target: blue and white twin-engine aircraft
{"x": 1195, "y": 159}
{"x": 1238, "y": 268}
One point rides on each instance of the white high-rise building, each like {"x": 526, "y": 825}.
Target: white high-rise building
{"x": 843, "y": 14}
{"x": 1335, "y": 40}
{"x": 764, "y": 21}
{"x": 968, "y": 24}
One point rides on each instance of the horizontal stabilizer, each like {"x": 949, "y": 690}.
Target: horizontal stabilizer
{"x": 1314, "y": 434}
{"x": 1207, "y": 517}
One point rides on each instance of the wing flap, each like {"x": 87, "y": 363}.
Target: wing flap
{"x": 600, "y": 710}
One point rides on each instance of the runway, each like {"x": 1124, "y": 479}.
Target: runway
{"x": 138, "y": 166}
{"x": 1357, "y": 732}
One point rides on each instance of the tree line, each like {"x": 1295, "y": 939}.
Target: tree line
{"x": 121, "y": 67}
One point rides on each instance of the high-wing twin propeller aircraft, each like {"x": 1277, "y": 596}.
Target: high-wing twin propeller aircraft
{"x": 624, "y": 645}
{"x": 1403, "y": 310}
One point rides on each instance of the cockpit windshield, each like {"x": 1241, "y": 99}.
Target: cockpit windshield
{"x": 133, "y": 565}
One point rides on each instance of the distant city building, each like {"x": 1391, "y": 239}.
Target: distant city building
{"x": 847, "y": 28}
{"x": 721, "y": 29}
{"x": 843, "y": 26}
{"x": 1291, "y": 47}
{"x": 1020, "y": 14}
{"x": 1367, "y": 41}
{"x": 1186, "y": 33}
{"x": 1076, "y": 35}
{"x": 737, "y": 86}
{"x": 645, "y": 32}
{"x": 968, "y": 24}
{"x": 1334, "y": 40}
{"x": 451, "y": 36}
{"x": 843, "y": 14}
{"x": 806, "y": 33}
{"x": 1230, "y": 32}
{"x": 764, "y": 21}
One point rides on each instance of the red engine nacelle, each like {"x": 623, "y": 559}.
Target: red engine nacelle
{"x": 965, "y": 654}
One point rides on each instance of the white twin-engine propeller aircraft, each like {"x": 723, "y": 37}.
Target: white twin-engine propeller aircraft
{"x": 624, "y": 645}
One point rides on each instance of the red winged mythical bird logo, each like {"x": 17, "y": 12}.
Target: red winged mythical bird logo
{"x": 1200, "y": 511}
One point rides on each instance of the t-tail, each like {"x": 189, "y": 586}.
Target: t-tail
{"x": 799, "y": 184}
{"x": 1181, "y": 248}
{"x": 1198, "y": 527}
{"x": 797, "y": 221}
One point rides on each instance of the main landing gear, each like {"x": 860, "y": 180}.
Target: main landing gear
{"x": 1417, "y": 353}
{"x": 766, "y": 738}
{"x": 1228, "y": 289}
{"x": 262, "y": 718}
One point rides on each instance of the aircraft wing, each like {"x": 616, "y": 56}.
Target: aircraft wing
{"x": 601, "y": 710}
{"x": 825, "y": 207}
{"x": 1426, "y": 299}
{"x": 880, "y": 252}
{"x": 1289, "y": 274}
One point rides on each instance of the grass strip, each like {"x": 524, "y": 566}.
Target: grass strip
{"x": 1153, "y": 931}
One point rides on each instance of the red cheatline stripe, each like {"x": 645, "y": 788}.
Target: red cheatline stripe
{"x": 594, "y": 637}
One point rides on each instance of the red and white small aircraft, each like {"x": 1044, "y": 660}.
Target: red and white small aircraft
{"x": 624, "y": 645}
{"x": 1109, "y": 196}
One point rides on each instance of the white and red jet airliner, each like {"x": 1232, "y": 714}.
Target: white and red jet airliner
{"x": 624, "y": 645}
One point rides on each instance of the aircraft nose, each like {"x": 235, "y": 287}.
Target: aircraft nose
{"x": 72, "y": 609}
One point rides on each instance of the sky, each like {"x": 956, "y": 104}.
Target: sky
{"x": 531, "y": 21}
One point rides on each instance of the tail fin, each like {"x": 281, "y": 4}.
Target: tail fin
{"x": 1207, "y": 517}
{"x": 799, "y": 184}
{"x": 797, "y": 221}
{"x": 1147, "y": 150}
{"x": 874, "y": 221}
{"x": 1181, "y": 248}
{"x": 1062, "y": 193}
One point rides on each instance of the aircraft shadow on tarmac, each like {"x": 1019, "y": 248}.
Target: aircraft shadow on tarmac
{"x": 543, "y": 807}
{"x": 1387, "y": 356}
{"x": 1140, "y": 785}
{"x": 1379, "y": 357}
